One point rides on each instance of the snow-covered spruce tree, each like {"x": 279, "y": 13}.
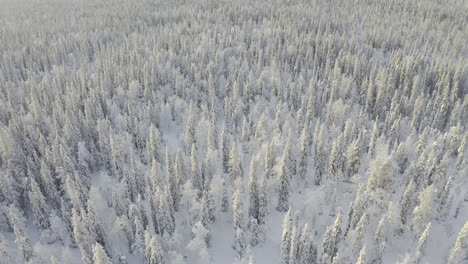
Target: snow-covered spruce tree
{"x": 286, "y": 237}
{"x": 240, "y": 243}
{"x": 235, "y": 167}
{"x": 138, "y": 244}
{"x": 330, "y": 241}
{"x": 208, "y": 207}
{"x": 319, "y": 157}
{"x": 225, "y": 148}
{"x": 284, "y": 188}
{"x": 305, "y": 152}
{"x": 362, "y": 256}
{"x": 425, "y": 211}
{"x": 307, "y": 251}
{"x": 422, "y": 244}
{"x": 39, "y": 205}
{"x": 22, "y": 240}
{"x": 190, "y": 126}
{"x": 156, "y": 254}
{"x": 353, "y": 158}
{"x": 407, "y": 202}
{"x": 99, "y": 255}
{"x": 238, "y": 205}
{"x": 254, "y": 196}
{"x": 293, "y": 251}
{"x": 83, "y": 237}
{"x": 459, "y": 250}
{"x": 255, "y": 232}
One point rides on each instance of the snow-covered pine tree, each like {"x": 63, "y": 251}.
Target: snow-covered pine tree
{"x": 22, "y": 240}
{"x": 226, "y": 147}
{"x": 198, "y": 243}
{"x": 286, "y": 238}
{"x": 425, "y": 211}
{"x": 284, "y": 186}
{"x": 362, "y": 256}
{"x": 422, "y": 244}
{"x": 190, "y": 127}
{"x": 99, "y": 255}
{"x": 330, "y": 241}
{"x": 254, "y": 196}
{"x": 459, "y": 251}
{"x": 39, "y": 205}
{"x": 307, "y": 251}
{"x": 235, "y": 168}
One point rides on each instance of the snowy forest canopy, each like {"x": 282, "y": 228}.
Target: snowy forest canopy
{"x": 245, "y": 131}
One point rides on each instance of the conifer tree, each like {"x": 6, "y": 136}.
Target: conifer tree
{"x": 284, "y": 186}
{"x": 286, "y": 238}
{"x": 39, "y": 205}
{"x": 99, "y": 255}
{"x": 422, "y": 244}
{"x": 254, "y": 206}
{"x": 235, "y": 168}
{"x": 330, "y": 241}
{"x": 190, "y": 137}
{"x": 459, "y": 251}
{"x": 226, "y": 146}
{"x": 22, "y": 239}
{"x": 425, "y": 211}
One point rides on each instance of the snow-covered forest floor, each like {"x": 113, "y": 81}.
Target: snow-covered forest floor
{"x": 245, "y": 131}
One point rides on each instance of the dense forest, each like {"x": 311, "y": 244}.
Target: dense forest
{"x": 244, "y": 131}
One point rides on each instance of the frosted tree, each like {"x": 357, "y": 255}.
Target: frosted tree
{"x": 198, "y": 243}
{"x": 240, "y": 244}
{"x": 330, "y": 241}
{"x": 213, "y": 131}
{"x": 190, "y": 127}
{"x": 425, "y": 211}
{"x": 22, "y": 239}
{"x": 319, "y": 154}
{"x": 334, "y": 164}
{"x": 156, "y": 254}
{"x": 82, "y": 237}
{"x": 138, "y": 243}
{"x": 459, "y": 251}
{"x": 48, "y": 183}
{"x": 262, "y": 202}
{"x": 407, "y": 202}
{"x": 289, "y": 156}
{"x": 166, "y": 222}
{"x": 422, "y": 244}
{"x": 356, "y": 209}
{"x": 380, "y": 240}
{"x": 254, "y": 196}
{"x": 305, "y": 149}
{"x": 235, "y": 168}
{"x": 255, "y": 232}
{"x": 93, "y": 221}
{"x": 293, "y": 252}
{"x": 226, "y": 147}
{"x": 357, "y": 236}
{"x": 156, "y": 178}
{"x": 39, "y": 205}
{"x": 99, "y": 255}
{"x": 238, "y": 205}
{"x": 284, "y": 186}
{"x": 286, "y": 238}
{"x": 153, "y": 145}
{"x": 362, "y": 256}
{"x": 353, "y": 158}
{"x": 269, "y": 161}
{"x": 207, "y": 207}
{"x": 307, "y": 252}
